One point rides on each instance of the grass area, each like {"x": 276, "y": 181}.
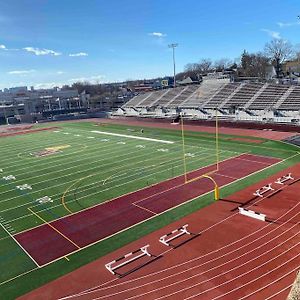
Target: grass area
{"x": 91, "y": 168}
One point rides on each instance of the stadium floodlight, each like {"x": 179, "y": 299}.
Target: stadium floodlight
{"x": 173, "y": 46}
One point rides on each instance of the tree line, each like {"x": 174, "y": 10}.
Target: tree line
{"x": 275, "y": 53}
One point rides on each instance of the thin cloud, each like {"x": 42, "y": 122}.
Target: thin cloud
{"x": 21, "y": 72}
{"x": 91, "y": 79}
{"x": 3, "y": 47}
{"x": 158, "y": 34}
{"x": 78, "y": 54}
{"x": 38, "y": 51}
{"x": 273, "y": 34}
{"x": 60, "y": 72}
{"x": 282, "y": 24}
{"x": 48, "y": 85}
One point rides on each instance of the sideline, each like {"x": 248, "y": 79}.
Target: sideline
{"x": 133, "y": 137}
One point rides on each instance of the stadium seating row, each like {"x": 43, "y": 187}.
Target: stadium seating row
{"x": 253, "y": 96}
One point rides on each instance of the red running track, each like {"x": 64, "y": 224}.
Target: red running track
{"x": 45, "y": 244}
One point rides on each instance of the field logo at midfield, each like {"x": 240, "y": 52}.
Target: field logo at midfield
{"x": 49, "y": 151}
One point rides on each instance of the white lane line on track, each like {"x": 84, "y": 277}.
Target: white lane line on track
{"x": 279, "y": 292}
{"x": 175, "y": 282}
{"x": 257, "y": 278}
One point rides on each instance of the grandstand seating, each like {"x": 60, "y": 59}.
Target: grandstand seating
{"x": 243, "y": 95}
{"x": 292, "y": 102}
{"x": 207, "y": 90}
{"x": 258, "y": 100}
{"x": 269, "y": 97}
{"x": 136, "y": 100}
{"x": 170, "y": 96}
{"x": 183, "y": 96}
{"x": 222, "y": 95}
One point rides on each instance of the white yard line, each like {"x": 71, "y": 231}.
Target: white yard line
{"x": 84, "y": 157}
{"x": 103, "y": 165}
{"x": 102, "y": 191}
{"x": 92, "y": 146}
{"x": 60, "y": 165}
{"x": 117, "y": 156}
{"x": 133, "y": 137}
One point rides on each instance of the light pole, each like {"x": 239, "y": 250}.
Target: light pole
{"x": 173, "y": 46}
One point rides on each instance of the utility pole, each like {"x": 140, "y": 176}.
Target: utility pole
{"x": 173, "y": 46}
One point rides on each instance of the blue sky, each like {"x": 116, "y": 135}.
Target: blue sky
{"x": 45, "y": 43}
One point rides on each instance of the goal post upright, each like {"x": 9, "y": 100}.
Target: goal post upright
{"x": 183, "y": 149}
{"x": 217, "y": 141}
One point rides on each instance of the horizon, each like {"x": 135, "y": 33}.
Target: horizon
{"x": 45, "y": 44}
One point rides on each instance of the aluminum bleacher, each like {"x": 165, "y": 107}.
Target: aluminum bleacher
{"x": 292, "y": 102}
{"x": 241, "y": 97}
{"x": 258, "y": 101}
{"x": 207, "y": 90}
{"x": 222, "y": 95}
{"x": 183, "y": 96}
{"x": 269, "y": 97}
{"x": 137, "y": 99}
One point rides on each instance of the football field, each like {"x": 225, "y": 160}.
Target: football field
{"x": 51, "y": 174}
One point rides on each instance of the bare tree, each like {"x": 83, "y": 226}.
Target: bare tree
{"x": 278, "y": 50}
{"x": 192, "y": 67}
{"x": 254, "y": 64}
{"x": 205, "y": 65}
{"x": 222, "y": 64}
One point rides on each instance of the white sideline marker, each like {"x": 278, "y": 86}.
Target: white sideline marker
{"x": 180, "y": 231}
{"x": 163, "y": 150}
{"x": 189, "y": 154}
{"x": 9, "y": 177}
{"x": 24, "y": 187}
{"x": 285, "y": 178}
{"x": 133, "y": 137}
{"x": 109, "y": 266}
{"x": 252, "y": 214}
{"x": 44, "y": 199}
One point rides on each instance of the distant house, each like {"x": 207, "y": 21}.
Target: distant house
{"x": 291, "y": 67}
